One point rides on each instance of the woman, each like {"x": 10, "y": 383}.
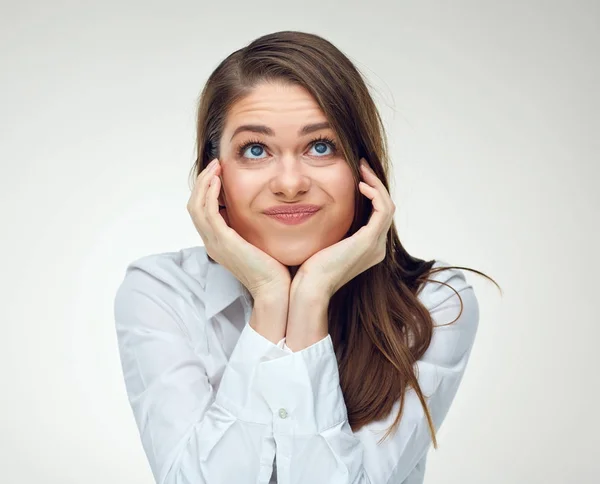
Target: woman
{"x": 284, "y": 347}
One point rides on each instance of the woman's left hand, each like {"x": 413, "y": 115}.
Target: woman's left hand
{"x": 321, "y": 275}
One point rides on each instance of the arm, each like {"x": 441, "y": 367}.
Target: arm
{"x": 315, "y": 442}
{"x": 189, "y": 431}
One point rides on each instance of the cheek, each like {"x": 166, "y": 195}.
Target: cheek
{"x": 238, "y": 194}
{"x": 344, "y": 192}
{"x": 236, "y": 190}
{"x": 347, "y": 201}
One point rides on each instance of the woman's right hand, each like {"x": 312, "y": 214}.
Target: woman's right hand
{"x": 263, "y": 276}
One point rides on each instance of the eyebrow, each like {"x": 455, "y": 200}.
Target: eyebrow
{"x": 262, "y": 129}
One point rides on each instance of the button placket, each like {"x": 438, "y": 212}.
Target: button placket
{"x": 283, "y": 429}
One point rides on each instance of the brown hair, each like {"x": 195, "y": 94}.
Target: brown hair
{"x": 376, "y": 311}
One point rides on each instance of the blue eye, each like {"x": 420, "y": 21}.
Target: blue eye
{"x": 321, "y": 147}
{"x": 320, "y": 144}
{"x": 256, "y": 149}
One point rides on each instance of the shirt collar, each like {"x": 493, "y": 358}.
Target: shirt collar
{"x": 221, "y": 288}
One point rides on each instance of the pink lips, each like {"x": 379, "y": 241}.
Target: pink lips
{"x": 292, "y": 218}
{"x": 292, "y": 208}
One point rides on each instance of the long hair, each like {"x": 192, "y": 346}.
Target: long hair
{"x": 375, "y": 313}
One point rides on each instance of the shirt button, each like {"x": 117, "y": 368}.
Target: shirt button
{"x": 283, "y": 413}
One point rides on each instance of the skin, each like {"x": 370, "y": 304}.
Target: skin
{"x": 286, "y": 168}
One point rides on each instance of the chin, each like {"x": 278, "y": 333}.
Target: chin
{"x": 293, "y": 249}
{"x": 290, "y": 258}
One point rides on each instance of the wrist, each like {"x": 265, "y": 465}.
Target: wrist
{"x": 269, "y": 317}
{"x": 307, "y": 322}
{"x": 308, "y": 292}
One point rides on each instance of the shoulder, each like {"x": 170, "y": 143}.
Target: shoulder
{"x": 452, "y": 302}
{"x": 183, "y": 270}
{"x": 443, "y": 285}
{"x": 454, "y": 310}
{"x": 172, "y": 281}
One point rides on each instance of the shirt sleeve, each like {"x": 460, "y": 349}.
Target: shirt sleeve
{"x": 314, "y": 440}
{"x": 189, "y": 431}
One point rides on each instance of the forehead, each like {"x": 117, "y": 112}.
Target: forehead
{"x": 275, "y": 103}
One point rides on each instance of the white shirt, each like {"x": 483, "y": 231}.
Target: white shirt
{"x": 216, "y": 402}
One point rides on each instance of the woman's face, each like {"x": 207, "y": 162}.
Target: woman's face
{"x": 283, "y": 166}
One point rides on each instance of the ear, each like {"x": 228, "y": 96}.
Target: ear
{"x": 223, "y": 204}
{"x": 223, "y": 212}
{"x": 221, "y": 196}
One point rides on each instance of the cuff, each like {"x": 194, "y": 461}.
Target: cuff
{"x": 284, "y": 346}
{"x": 238, "y": 392}
{"x": 302, "y": 390}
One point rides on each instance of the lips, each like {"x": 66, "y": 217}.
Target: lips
{"x": 292, "y": 209}
{"x": 293, "y": 218}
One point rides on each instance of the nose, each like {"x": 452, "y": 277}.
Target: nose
{"x": 292, "y": 177}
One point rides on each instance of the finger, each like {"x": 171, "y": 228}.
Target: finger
{"x": 200, "y": 185}
{"x": 205, "y": 184}
{"x": 369, "y": 175}
{"x": 214, "y": 172}
{"x": 211, "y": 210}
{"x": 373, "y": 180}
{"x": 373, "y": 194}
{"x": 378, "y": 219}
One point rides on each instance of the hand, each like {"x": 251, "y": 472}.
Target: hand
{"x": 260, "y": 273}
{"x": 328, "y": 270}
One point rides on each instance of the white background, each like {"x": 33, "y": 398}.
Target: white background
{"x": 492, "y": 116}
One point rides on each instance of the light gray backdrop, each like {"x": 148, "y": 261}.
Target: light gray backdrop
{"x": 492, "y": 115}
